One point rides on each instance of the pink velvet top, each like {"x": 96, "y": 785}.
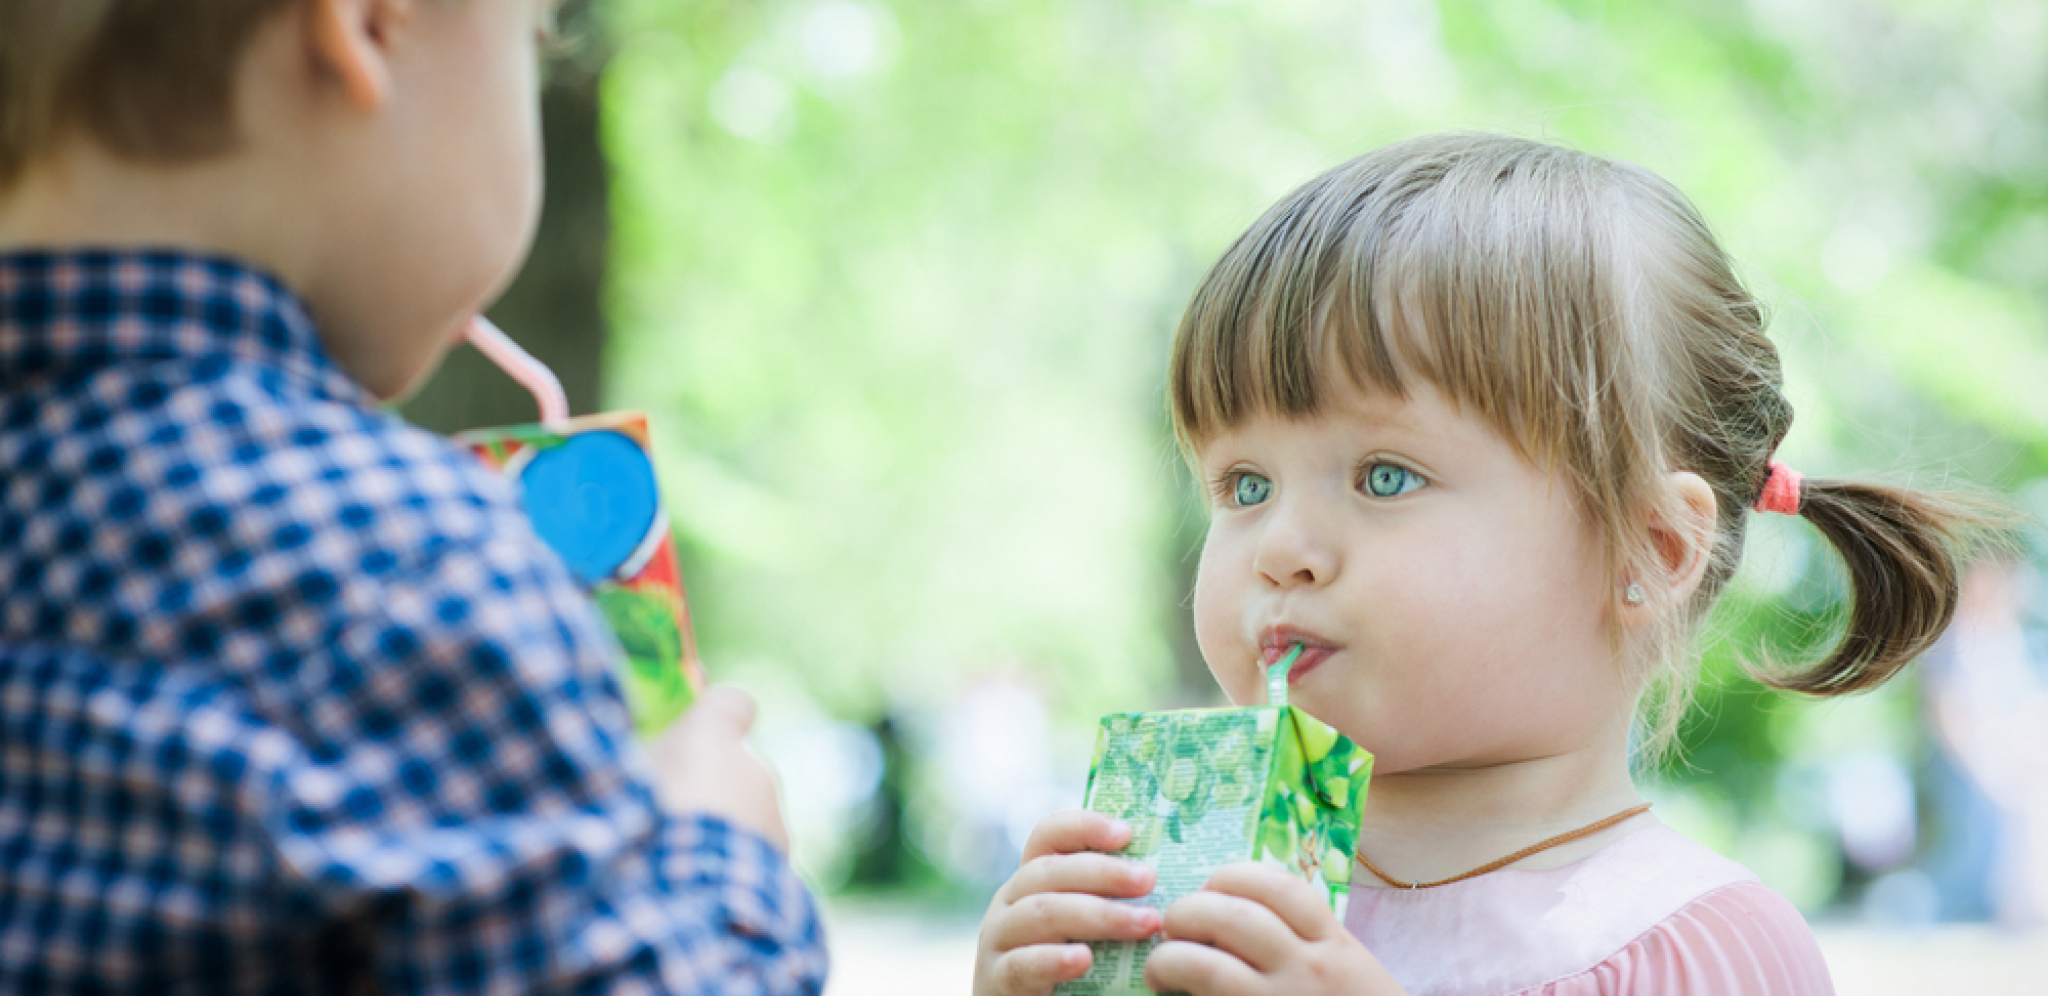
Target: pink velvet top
{"x": 1650, "y": 913}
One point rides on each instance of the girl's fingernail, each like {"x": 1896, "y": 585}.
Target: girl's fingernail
{"x": 1118, "y": 826}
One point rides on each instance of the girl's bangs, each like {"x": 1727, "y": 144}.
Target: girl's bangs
{"x": 1428, "y": 269}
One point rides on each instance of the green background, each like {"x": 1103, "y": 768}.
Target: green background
{"x": 896, "y": 282}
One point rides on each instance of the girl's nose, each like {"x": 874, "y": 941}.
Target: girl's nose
{"x": 1294, "y": 550}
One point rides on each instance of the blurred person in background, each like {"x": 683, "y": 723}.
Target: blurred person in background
{"x": 1988, "y": 708}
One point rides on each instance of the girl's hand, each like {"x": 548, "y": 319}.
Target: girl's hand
{"x": 1255, "y": 930}
{"x": 1061, "y": 895}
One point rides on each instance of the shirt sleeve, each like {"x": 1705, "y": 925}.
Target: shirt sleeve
{"x": 464, "y": 796}
{"x": 1738, "y": 940}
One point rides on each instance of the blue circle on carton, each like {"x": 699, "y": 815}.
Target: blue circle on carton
{"x": 592, "y": 498}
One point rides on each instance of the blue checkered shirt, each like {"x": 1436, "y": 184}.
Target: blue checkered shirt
{"x": 292, "y": 699}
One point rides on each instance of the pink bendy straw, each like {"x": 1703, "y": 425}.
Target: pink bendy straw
{"x": 520, "y": 365}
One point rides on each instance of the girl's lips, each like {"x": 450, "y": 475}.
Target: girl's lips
{"x": 1310, "y": 658}
{"x": 1313, "y": 654}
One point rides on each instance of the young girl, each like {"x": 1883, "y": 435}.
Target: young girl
{"x": 1482, "y": 420}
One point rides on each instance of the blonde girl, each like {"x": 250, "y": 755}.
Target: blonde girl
{"x": 1482, "y": 421}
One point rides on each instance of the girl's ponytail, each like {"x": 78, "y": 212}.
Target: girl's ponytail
{"x": 1904, "y": 551}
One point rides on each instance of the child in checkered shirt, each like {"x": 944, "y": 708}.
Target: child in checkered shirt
{"x": 292, "y": 697}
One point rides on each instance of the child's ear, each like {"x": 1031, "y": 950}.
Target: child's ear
{"x": 1682, "y": 539}
{"x": 350, "y": 42}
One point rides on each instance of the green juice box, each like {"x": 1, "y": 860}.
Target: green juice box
{"x": 1203, "y": 788}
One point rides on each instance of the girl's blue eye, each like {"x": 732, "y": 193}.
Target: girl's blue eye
{"x": 1385, "y": 480}
{"x": 1252, "y": 489}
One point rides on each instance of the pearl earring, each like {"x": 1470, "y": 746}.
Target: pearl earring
{"x": 1633, "y": 594}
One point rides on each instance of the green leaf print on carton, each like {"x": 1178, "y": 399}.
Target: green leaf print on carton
{"x": 1310, "y": 821}
{"x": 1164, "y": 775}
{"x": 651, "y": 636}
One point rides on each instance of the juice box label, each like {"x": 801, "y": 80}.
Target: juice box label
{"x": 588, "y": 485}
{"x": 1204, "y": 788}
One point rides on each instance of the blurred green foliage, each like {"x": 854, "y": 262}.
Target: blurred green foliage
{"x": 897, "y": 279}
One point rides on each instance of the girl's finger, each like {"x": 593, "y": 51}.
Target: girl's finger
{"x": 1199, "y": 970}
{"x": 1071, "y": 830}
{"x": 1234, "y": 925}
{"x": 1033, "y": 971}
{"x": 1297, "y": 903}
{"x": 1062, "y": 917}
{"x": 1094, "y": 874}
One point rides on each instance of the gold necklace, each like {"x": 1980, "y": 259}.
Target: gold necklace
{"x": 1563, "y": 838}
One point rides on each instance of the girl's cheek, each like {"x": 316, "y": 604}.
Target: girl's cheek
{"x": 1213, "y": 615}
{"x": 1219, "y": 621}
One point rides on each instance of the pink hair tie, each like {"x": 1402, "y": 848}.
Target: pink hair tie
{"x": 1781, "y": 491}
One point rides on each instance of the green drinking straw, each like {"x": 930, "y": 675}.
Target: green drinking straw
{"x": 1276, "y": 677}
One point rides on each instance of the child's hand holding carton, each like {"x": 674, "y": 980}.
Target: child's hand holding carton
{"x": 1178, "y": 795}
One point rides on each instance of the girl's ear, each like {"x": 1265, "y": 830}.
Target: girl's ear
{"x": 1682, "y": 539}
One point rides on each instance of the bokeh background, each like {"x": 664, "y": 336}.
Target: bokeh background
{"x": 895, "y": 280}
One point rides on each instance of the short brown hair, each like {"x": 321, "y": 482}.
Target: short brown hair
{"x": 1582, "y": 307}
{"x": 150, "y": 80}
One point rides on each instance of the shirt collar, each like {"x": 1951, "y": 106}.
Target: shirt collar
{"x": 67, "y": 312}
